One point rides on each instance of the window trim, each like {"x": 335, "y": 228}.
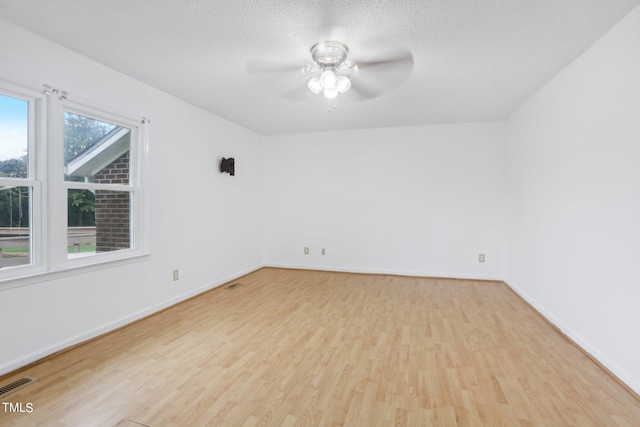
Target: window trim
{"x": 36, "y": 150}
{"x": 135, "y": 179}
{"x": 48, "y": 217}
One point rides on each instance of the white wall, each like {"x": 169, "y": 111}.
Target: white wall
{"x": 574, "y": 200}
{"x": 422, "y": 200}
{"x": 418, "y": 200}
{"x": 206, "y": 224}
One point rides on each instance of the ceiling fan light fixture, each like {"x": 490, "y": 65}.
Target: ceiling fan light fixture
{"x": 328, "y": 79}
{"x": 314, "y": 85}
{"x": 330, "y": 92}
{"x": 343, "y": 84}
{"x": 336, "y": 72}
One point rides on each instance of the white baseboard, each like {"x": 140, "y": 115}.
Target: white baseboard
{"x": 123, "y": 321}
{"x": 622, "y": 375}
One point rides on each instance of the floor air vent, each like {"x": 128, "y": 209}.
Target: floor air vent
{"x": 235, "y": 285}
{"x": 16, "y": 385}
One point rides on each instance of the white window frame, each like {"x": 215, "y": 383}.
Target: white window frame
{"x": 37, "y": 170}
{"x": 56, "y": 174}
{"x": 48, "y": 214}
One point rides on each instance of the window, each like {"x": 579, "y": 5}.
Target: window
{"x": 88, "y": 182}
{"x": 19, "y": 184}
{"x": 98, "y": 179}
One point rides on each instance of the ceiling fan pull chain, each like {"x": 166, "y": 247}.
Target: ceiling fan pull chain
{"x": 335, "y": 105}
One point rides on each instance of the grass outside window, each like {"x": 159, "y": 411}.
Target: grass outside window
{"x": 83, "y": 248}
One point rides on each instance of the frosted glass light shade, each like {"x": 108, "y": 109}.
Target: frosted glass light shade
{"x": 328, "y": 79}
{"x": 343, "y": 84}
{"x": 314, "y": 85}
{"x": 330, "y": 92}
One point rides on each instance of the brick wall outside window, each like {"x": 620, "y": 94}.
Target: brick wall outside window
{"x": 113, "y": 208}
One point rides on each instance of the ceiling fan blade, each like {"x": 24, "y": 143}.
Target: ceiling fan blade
{"x": 299, "y": 94}
{"x": 282, "y": 80}
{"x": 398, "y": 61}
{"x": 361, "y": 91}
{"x": 381, "y": 73}
{"x": 368, "y": 85}
{"x": 257, "y": 66}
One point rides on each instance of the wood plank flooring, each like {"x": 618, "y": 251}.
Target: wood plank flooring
{"x": 294, "y": 348}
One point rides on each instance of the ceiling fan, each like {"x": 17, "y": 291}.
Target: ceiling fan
{"x": 332, "y": 72}
{"x": 366, "y": 73}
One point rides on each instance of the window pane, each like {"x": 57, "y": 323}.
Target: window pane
{"x": 95, "y": 151}
{"x": 15, "y": 228}
{"x": 81, "y": 208}
{"x": 99, "y": 221}
{"x": 14, "y": 137}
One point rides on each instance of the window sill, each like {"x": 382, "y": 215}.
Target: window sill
{"x": 41, "y": 275}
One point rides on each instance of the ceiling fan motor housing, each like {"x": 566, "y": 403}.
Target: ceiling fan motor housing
{"x": 329, "y": 54}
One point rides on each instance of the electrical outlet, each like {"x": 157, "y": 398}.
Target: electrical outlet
{"x": 324, "y": 252}
{"x": 306, "y": 250}
{"x": 481, "y": 258}
{"x": 176, "y": 275}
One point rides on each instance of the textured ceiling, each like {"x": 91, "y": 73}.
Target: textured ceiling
{"x": 473, "y": 60}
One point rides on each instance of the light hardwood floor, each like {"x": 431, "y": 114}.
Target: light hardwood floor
{"x": 291, "y": 348}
